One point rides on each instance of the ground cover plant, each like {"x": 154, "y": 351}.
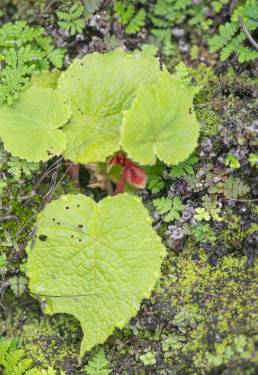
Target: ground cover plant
{"x": 128, "y": 187}
{"x": 96, "y": 121}
{"x": 24, "y": 51}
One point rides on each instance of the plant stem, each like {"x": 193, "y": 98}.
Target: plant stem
{"x": 247, "y": 33}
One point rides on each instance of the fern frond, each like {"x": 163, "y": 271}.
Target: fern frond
{"x": 124, "y": 12}
{"x": 171, "y": 10}
{"x": 24, "y": 51}
{"x": 232, "y": 46}
{"x": 155, "y": 178}
{"x": 12, "y": 361}
{"x": 129, "y": 16}
{"x": 136, "y": 23}
{"x": 4, "y": 347}
{"x": 234, "y": 187}
{"x": 226, "y": 32}
{"x": 170, "y": 209}
{"x": 246, "y": 54}
{"x": 98, "y": 365}
{"x": 56, "y": 57}
{"x": 72, "y": 19}
{"x": 232, "y": 40}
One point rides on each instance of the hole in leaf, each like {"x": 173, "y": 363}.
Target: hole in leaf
{"x": 80, "y": 226}
{"x": 78, "y": 205}
{"x": 72, "y": 235}
{"x": 58, "y": 223}
{"x": 54, "y": 219}
{"x": 80, "y": 240}
{"x": 42, "y": 237}
{"x": 67, "y": 207}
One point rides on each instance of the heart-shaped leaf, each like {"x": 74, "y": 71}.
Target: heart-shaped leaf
{"x": 160, "y": 123}
{"x": 29, "y": 128}
{"x": 100, "y": 87}
{"x": 96, "y": 261}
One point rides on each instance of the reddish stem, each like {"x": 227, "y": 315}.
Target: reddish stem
{"x": 73, "y": 171}
{"x": 120, "y": 187}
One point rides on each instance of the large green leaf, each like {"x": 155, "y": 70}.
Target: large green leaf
{"x": 97, "y": 261}
{"x": 160, "y": 123}
{"x": 29, "y": 128}
{"x": 100, "y": 87}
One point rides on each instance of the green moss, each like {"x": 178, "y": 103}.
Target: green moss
{"x": 46, "y": 341}
{"x": 221, "y": 303}
{"x": 203, "y": 318}
{"x": 21, "y": 205}
{"x": 51, "y": 341}
{"x": 205, "y": 112}
{"x": 233, "y": 236}
{"x": 252, "y": 229}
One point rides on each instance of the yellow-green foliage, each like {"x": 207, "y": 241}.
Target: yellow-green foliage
{"x": 24, "y": 51}
{"x": 98, "y": 303}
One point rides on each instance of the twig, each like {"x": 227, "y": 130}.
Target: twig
{"x": 38, "y": 184}
{"x": 8, "y": 217}
{"x": 241, "y": 200}
{"x": 3, "y": 286}
{"x": 49, "y": 194}
{"x": 42, "y": 204}
{"x": 212, "y": 102}
{"x": 209, "y": 294}
{"x": 247, "y": 33}
{"x": 50, "y": 5}
{"x": 232, "y": 6}
{"x": 62, "y": 296}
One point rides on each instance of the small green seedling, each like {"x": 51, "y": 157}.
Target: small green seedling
{"x": 98, "y": 261}
{"x": 148, "y": 359}
{"x": 105, "y": 103}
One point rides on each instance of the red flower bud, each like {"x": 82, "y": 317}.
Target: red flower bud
{"x": 131, "y": 173}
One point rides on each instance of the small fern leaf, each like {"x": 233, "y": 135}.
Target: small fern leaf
{"x": 124, "y": 12}
{"x": 246, "y": 54}
{"x": 234, "y": 188}
{"x": 11, "y": 362}
{"x": 72, "y": 19}
{"x": 98, "y": 365}
{"x": 136, "y": 22}
{"x": 56, "y": 56}
{"x": 4, "y": 347}
{"x": 226, "y": 32}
